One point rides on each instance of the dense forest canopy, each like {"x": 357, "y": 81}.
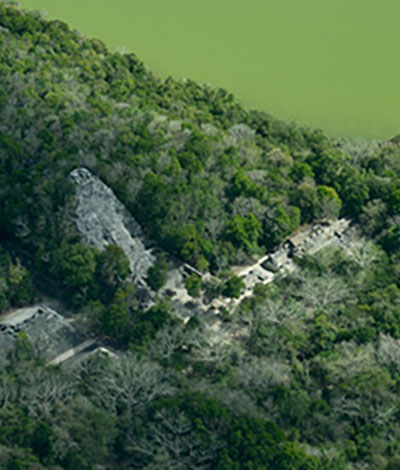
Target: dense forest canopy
{"x": 312, "y": 381}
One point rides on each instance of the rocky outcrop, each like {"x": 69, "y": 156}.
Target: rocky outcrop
{"x": 102, "y": 219}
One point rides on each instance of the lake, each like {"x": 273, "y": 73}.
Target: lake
{"x": 332, "y": 64}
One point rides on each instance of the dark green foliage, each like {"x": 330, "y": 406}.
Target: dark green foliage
{"x": 225, "y": 441}
{"x": 78, "y": 265}
{"x": 242, "y": 185}
{"x": 193, "y": 285}
{"x": 112, "y": 270}
{"x": 279, "y": 223}
{"x": 16, "y": 287}
{"x": 91, "y": 430}
{"x": 233, "y": 287}
{"x": 124, "y": 322}
{"x": 145, "y": 325}
{"x": 158, "y": 273}
{"x": 391, "y": 241}
{"x": 244, "y": 232}
{"x": 116, "y": 322}
{"x": 330, "y": 202}
{"x": 306, "y": 199}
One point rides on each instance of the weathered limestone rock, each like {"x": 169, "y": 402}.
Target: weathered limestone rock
{"x": 102, "y": 220}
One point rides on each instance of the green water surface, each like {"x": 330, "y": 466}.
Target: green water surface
{"x": 333, "y": 64}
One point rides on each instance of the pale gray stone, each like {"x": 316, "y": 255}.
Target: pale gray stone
{"x": 102, "y": 220}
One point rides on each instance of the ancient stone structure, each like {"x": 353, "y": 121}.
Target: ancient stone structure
{"x": 50, "y": 333}
{"x": 52, "y": 336}
{"x": 308, "y": 240}
{"x": 102, "y": 219}
{"x": 59, "y": 342}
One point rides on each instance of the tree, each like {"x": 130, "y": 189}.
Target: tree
{"x": 166, "y": 343}
{"x": 123, "y": 386}
{"x": 112, "y": 270}
{"x": 19, "y": 459}
{"x": 173, "y": 436}
{"x": 278, "y": 223}
{"x": 374, "y": 217}
{"x": 305, "y": 197}
{"x": 193, "y": 285}
{"x": 330, "y": 202}
{"x": 196, "y": 432}
{"x": 199, "y": 145}
{"x": 78, "y": 265}
{"x": 319, "y": 292}
{"x": 391, "y": 241}
{"x": 244, "y": 232}
{"x": 293, "y": 458}
{"x": 260, "y": 374}
{"x": 233, "y": 287}
{"x": 242, "y": 185}
{"x": 16, "y": 287}
{"x": 354, "y": 194}
{"x": 212, "y": 289}
{"x": 394, "y": 463}
{"x": 157, "y": 274}
{"x": 394, "y": 201}
{"x": 208, "y": 347}
{"x": 301, "y": 171}
{"x": 42, "y": 391}
{"x": 117, "y": 319}
{"x": 82, "y": 435}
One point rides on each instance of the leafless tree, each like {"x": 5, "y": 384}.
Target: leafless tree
{"x": 361, "y": 466}
{"x": 166, "y": 342}
{"x": 320, "y": 292}
{"x": 209, "y": 344}
{"x": 358, "y": 149}
{"x": 389, "y": 351}
{"x": 240, "y": 133}
{"x": 259, "y": 374}
{"x": 42, "y": 390}
{"x": 22, "y": 229}
{"x": 172, "y": 436}
{"x": 352, "y": 361}
{"x": 365, "y": 254}
{"x": 8, "y": 391}
{"x": 123, "y": 385}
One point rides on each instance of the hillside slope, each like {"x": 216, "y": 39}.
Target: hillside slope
{"x": 303, "y": 375}
{"x": 210, "y": 181}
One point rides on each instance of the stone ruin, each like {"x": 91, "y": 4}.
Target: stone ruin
{"x": 101, "y": 219}
{"x": 51, "y": 335}
{"x": 307, "y": 240}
